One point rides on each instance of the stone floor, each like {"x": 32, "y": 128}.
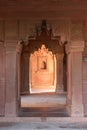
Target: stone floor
{"x": 43, "y": 126}
{"x": 49, "y": 110}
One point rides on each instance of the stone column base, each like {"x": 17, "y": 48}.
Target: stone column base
{"x": 11, "y": 112}
{"x": 75, "y": 111}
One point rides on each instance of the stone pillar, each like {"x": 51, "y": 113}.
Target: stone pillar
{"x": 59, "y": 74}
{"x": 25, "y": 73}
{"x": 11, "y": 105}
{"x": 18, "y": 57}
{"x": 2, "y": 79}
{"x": 74, "y": 79}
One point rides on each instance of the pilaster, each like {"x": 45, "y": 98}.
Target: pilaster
{"x": 25, "y": 73}
{"x": 59, "y": 74}
{"x": 74, "y": 78}
{"x": 18, "y": 70}
{"x": 11, "y": 105}
{"x": 2, "y": 79}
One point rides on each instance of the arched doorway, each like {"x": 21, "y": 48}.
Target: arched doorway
{"x": 42, "y": 69}
{"x": 43, "y": 36}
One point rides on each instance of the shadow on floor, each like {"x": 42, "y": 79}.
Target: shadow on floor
{"x": 43, "y": 112}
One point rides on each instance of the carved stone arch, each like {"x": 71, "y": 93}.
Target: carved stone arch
{"x": 34, "y": 43}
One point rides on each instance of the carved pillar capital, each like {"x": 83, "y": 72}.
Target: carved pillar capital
{"x": 13, "y": 46}
{"x": 76, "y": 46}
{"x": 10, "y": 45}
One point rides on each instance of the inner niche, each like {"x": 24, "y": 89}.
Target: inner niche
{"x": 42, "y": 71}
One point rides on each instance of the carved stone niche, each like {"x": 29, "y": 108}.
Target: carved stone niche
{"x": 42, "y": 51}
{"x": 42, "y": 69}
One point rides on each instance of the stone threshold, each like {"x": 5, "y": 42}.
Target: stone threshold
{"x": 44, "y": 119}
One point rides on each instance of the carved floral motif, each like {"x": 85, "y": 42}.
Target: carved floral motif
{"x": 42, "y": 52}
